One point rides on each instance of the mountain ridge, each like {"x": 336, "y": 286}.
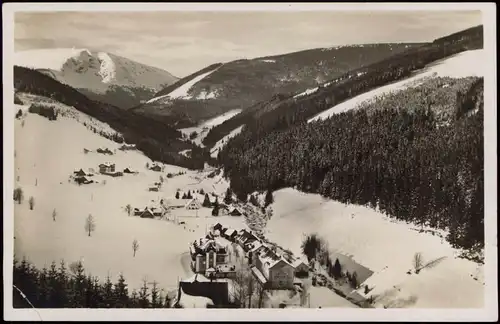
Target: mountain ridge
{"x": 103, "y": 76}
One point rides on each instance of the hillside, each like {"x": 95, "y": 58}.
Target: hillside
{"x": 242, "y": 83}
{"x": 415, "y": 154}
{"x": 101, "y": 76}
{"x": 48, "y": 152}
{"x": 159, "y": 141}
{"x": 284, "y": 111}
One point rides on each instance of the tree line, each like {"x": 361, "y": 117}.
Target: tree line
{"x": 66, "y": 286}
{"x": 406, "y": 162}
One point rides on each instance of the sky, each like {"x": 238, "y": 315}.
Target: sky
{"x": 184, "y": 42}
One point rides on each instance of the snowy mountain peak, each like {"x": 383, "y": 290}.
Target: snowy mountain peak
{"x": 100, "y": 75}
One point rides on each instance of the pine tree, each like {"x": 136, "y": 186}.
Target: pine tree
{"x": 121, "y": 293}
{"x": 354, "y": 280}
{"x": 144, "y": 295}
{"x": 269, "y": 198}
{"x": 206, "y": 202}
{"x": 189, "y": 196}
{"x": 337, "y": 269}
{"x": 177, "y": 195}
{"x": 155, "y": 297}
{"x": 228, "y": 199}
{"x": 108, "y": 298}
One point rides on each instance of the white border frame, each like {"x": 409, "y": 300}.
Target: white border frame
{"x": 488, "y": 313}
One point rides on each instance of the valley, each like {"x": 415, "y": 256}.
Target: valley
{"x": 341, "y": 177}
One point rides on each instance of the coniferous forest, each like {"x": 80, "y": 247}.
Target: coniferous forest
{"x": 67, "y": 286}
{"x": 417, "y": 155}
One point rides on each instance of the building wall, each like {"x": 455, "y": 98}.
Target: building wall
{"x": 281, "y": 277}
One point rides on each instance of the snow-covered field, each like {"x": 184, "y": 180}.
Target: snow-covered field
{"x": 220, "y": 144}
{"x": 203, "y": 128}
{"x": 465, "y": 64}
{"x": 385, "y": 246}
{"x": 47, "y": 153}
{"x": 183, "y": 90}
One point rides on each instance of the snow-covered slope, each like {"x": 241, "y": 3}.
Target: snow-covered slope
{"x": 203, "y": 129}
{"x": 47, "y": 153}
{"x": 382, "y": 245}
{"x": 103, "y": 75}
{"x": 468, "y": 63}
{"x": 220, "y": 144}
{"x": 183, "y": 90}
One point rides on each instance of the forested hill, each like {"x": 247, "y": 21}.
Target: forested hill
{"x": 284, "y": 111}
{"x": 242, "y": 83}
{"x": 157, "y": 140}
{"x": 417, "y": 160}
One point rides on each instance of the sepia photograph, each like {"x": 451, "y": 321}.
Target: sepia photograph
{"x": 173, "y": 161}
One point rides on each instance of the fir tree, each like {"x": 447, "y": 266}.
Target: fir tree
{"x": 206, "y": 202}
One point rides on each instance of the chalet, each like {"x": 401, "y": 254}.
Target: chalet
{"x": 128, "y": 170}
{"x": 81, "y": 173}
{"x": 155, "y": 167}
{"x": 107, "y": 167}
{"x": 199, "y": 291}
{"x": 223, "y": 210}
{"x": 83, "y": 180}
{"x": 273, "y": 271}
{"x": 236, "y": 212}
{"x": 148, "y": 212}
{"x": 193, "y": 204}
{"x": 104, "y": 151}
{"x": 174, "y": 203}
{"x": 206, "y": 254}
{"x": 126, "y": 147}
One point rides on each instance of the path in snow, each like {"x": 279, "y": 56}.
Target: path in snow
{"x": 220, "y": 144}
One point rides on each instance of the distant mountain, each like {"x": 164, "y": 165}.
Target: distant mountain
{"x": 158, "y": 141}
{"x": 240, "y": 84}
{"x": 284, "y": 111}
{"x": 99, "y": 75}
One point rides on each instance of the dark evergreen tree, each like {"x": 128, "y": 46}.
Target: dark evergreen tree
{"x": 206, "y": 202}
{"x": 269, "y": 198}
{"x": 177, "y": 196}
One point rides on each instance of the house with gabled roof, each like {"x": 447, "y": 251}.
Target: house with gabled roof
{"x": 206, "y": 253}
{"x": 272, "y": 270}
{"x": 193, "y": 204}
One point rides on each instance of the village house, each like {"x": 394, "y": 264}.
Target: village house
{"x": 193, "y": 204}
{"x": 229, "y": 234}
{"x": 272, "y": 270}
{"x": 83, "y": 180}
{"x": 82, "y": 173}
{"x": 128, "y": 170}
{"x": 245, "y": 237}
{"x": 155, "y": 167}
{"x": 207, "y": 254}
{"x": 107, "y": 167}
{"x": 301, "y": 268}
{"x": 148, "y": 212}
{"x": 236, "y": 212}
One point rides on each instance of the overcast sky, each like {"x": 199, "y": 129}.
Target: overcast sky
{"x": 184, "y": 42}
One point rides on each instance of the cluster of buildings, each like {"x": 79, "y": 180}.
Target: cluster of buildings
{"x": 272, "y": 270}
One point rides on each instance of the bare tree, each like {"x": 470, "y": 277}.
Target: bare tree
{"x": 18, "y": 195}
{"x": 32, "y": 202}
{"x": 417, "y": 262}
{"x": 128, "y": 208}
{"x": 54, "y": 214}
{"x": 90, "y": 224}
{"x": 135, "y": 246}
